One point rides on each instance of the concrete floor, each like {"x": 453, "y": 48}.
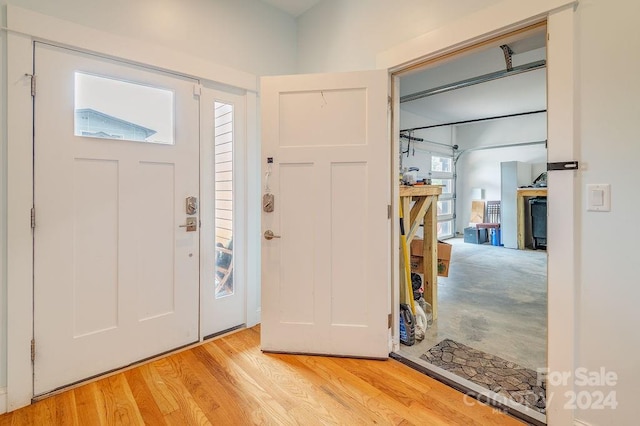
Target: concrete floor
{"x": 494, "y": 300}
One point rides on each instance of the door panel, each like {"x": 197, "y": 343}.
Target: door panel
{"x": 326, "y": 279}
{"x": 115, "y": 276}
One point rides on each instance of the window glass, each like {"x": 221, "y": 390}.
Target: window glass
{"x": 108, "y": 108}
{"x": 441, "y": 164}
{"x": 445, "y": 207}
{"x": 223, "y": 178}
{"x": 446, "y": 184}
{"x": 445, "y": 229}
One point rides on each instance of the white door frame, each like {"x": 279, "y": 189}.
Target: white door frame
{"x": 498, "y": 20}
{"x": 24, "y": 27}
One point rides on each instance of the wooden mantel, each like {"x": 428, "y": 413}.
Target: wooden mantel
{"x": 424, "y": 209}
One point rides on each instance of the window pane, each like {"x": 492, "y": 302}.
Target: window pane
{"x": 223, "y": 158}
{"x": 113, "y": 109}
{"x": 441, "y": 164}
{"x": 446, "y": 184}
{"x": 445, "y": 207}
{"x": 445, "y": 229}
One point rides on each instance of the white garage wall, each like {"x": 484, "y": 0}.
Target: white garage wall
{"x": 341, "y": 35}
{"x": 481, "y": 169}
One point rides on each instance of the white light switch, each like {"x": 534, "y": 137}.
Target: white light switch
{"x": 599, "y": 198}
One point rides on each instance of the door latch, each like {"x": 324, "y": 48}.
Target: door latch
{"x": 191, "y": 225}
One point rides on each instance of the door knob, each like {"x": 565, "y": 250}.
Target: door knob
{"x": 269, "y": 235}
{"x": 191, "y": 225}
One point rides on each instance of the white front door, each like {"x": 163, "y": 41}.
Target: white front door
{"x": 223, "y": 302}
{"x": 115, "y": 273}
{"x": 326, "y": 279}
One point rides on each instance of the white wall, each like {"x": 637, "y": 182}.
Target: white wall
{"x": 342, "y": 35}
{"x": 346, "y": 35}
{"x": 481, "y": 169}
{"x": 608, "y": 90}
{"x": 245, "y": 35}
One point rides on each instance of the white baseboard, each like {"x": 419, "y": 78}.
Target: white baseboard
{"x": 3, "y": 400}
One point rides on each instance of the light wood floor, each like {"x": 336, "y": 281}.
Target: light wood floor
{"x": 229, "y": 381}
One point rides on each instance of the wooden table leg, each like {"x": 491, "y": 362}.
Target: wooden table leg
{"x": 430, "y": 253}
{"x": 520, "y": 220}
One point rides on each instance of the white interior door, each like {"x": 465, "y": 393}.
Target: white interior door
{"x": 116, "y": 156}
{"x": 326, "y": 280}
{"x": 223, "y": 301}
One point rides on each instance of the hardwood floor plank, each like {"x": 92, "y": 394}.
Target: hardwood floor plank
{"x": 217, "y": 406}
{"x": 188, "y": 411}
{"x": 229, "y": 381}
{"x": 161, "y": 394}
{"x": 147, "y": 405}
{"x": 120, "y": 406}
{"x": 399, "y": 380}
{"x": 263, "y": 400}
{"x": 90, "y": 404}
{"x": 248, "y": 401}
{"x": 370, "y": 397}
{"x": 358, "y": 399}
{"x": 277, "y": 375}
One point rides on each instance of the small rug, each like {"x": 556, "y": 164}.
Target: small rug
{"x": 491, "y": 372}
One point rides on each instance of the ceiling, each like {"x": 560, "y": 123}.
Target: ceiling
{"x": 294, "y": 8}
{"x": 514, "y": 94}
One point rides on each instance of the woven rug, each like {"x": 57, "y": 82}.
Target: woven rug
{"x": 489, "y": 371}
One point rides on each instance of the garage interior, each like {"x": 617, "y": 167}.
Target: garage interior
{"x": 476, "y": 125}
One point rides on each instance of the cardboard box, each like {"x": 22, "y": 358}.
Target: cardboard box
{"x": 444, "y": 257}
{"x": 417, "y": 264}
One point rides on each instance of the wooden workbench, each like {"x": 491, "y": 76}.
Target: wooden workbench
{"x": 424, "y": 209}
{"x": 523, "y": 193}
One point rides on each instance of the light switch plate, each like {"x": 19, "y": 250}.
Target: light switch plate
{"x": 599, "y": 197}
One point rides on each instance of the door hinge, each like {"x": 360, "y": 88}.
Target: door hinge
{"x": 197, "y": 89}
{"x": 388, "y": 211}
{"x": 389, "y": 321}
{"x": 33, "y": 217}
{"x": 33, "y": 350}
{"x": 33, "y": 83}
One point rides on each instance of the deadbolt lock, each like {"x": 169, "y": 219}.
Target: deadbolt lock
{"x": 191, "y": 205}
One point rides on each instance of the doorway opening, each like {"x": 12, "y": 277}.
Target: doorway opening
{"x": 476, "y": 125}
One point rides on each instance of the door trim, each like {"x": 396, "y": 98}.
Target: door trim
{"x": 476, "y": 29}
{"x": 25, "y": 27}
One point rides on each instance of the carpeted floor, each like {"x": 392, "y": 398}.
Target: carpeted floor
{"x": 503, "y": 377}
